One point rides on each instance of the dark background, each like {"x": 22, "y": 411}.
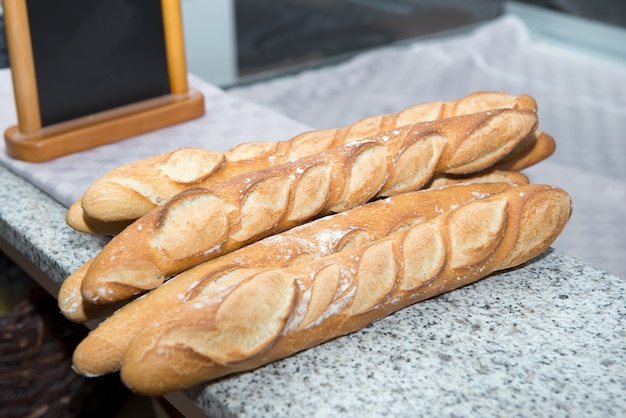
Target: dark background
{"x": 96, "y": 55}
{"x": 275, "y": 34}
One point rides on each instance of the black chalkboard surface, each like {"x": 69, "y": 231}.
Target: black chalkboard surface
{"x": 89, "y": 72}
{"x": 94, "y": 55}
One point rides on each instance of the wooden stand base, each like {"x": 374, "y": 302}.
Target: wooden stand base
{"x": 103, "y": 128}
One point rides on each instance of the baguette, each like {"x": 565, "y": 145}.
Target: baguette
{"x": 76, "y": 309}
{"x": 529, "y": 152}
{"x": 200, "y": 224}
{"x": 275, "y": 313}
{"x": 133, "y": 189}
{"x": 76, "y": 217}
{"x": 102, "y": 350}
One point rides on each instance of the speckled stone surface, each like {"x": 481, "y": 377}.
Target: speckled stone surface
{"x": 543, "y": 340}
{"x": 34, "y": 224}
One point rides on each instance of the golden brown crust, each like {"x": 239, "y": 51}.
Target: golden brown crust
{"x": 277, "y": 312}
{"x": 101, "y": 352}
{"x": 132, "y": 190}
{"x": 230, "y": 309}
{"x": 200, "y": 224}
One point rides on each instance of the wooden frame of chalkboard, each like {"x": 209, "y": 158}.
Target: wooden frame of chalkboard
{"x": 91, "y": 72}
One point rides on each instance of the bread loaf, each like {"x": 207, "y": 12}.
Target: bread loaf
{"x": 76, "y": 217}
{"x": 248, "y": 319}
{"x": 132, "y": 190}
{"x": 200, "y": 224}
{"x": 529, "y": 152}
{"x": 76, "y": 309}
{"x": 102, "y": 350}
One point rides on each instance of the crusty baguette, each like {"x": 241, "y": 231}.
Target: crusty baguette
{"x": 102, "y": 350}
{"x": 82, "y": 223}
{"x": 251, "y": 320}
{"x": 532, "y": 150}
{"x": 76, "y": 309}
{"x": 132, "y": 190}
{"x": 200, "y": 224}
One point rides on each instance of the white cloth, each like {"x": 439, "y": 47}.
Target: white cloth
{"x": 581, "y": 97}
{"x": 229, "y": 120}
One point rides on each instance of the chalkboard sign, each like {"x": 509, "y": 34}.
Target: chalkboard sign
{"x": 90, "y": 72}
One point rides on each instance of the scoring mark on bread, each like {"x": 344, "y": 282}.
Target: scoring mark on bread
{"x": 544, "y": 214}
{"x": 263, "y": 206}
{"x": 475, "y": 231}
{"x": 477, "y": 152}
{"x": 191, "y": 165}
{"x": 311, "y": 192}
{"x": 198, "y": 214}
{"x": 419, "y": 113}
{"x": 216, "y": 286}
{"x": 416, "y": 165}
{"x": 353, "y": 239}
{"x": 424, "y": 255}
{"x": 323, "y": 291}
{"x": 249, "y": 151}
{"x": 245, "y": 328}
{"x": 375, "y": 278}
{"x": 367, "y": 172}
{"x": 363, "y": 128}
{"x": 312, "y": 142}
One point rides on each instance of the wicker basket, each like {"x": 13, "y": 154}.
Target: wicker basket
{"x": 36, "y": 379}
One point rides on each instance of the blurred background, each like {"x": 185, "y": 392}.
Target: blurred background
{"x": 288, "y": 33}
{"x": 233, "y": 41}
{"x": 327, "y": 63}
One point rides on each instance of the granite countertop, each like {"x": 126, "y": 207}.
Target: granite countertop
{"x": 546, "y": 339}
{"x": 33, "y": 223}
{"x": 543, "y": 339}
